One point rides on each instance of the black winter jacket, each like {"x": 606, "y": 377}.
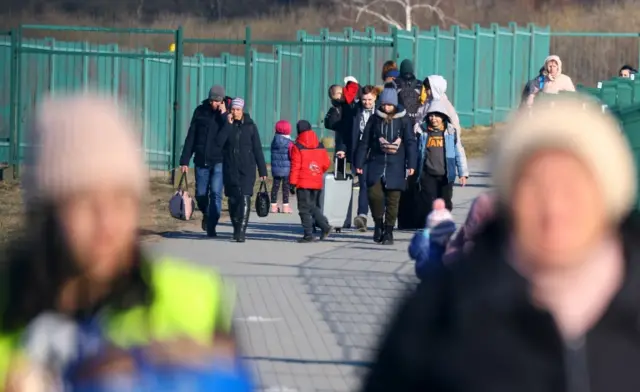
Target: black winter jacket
{"x": 340, "y": 119}
{"x": 202, "y": 135}
{"x": 242, "y": 155}
{"x": 473, "y": 328}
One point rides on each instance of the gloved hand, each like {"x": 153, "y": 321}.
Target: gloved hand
{"x": 292, "y": 189}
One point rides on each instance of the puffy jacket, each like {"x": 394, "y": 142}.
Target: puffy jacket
{"x": 201, "y": 137}
{"x": 309, "y": 162}
{"x": 280, "y": 161}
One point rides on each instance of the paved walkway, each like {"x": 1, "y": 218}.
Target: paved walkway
{"x": 308, "y": 315}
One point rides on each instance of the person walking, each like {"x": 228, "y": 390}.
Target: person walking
{"x": 79, "y": 266}
{"x": 554, "y": 80}
{"x": 309, "y": 163}
{"x": 387, "y": 147}
{"x": 346, "y": 145}
{"x": 409, "y": 90}
{"x": 207, "y": 120}
{"x": 281, "y": 166}
{"x": 440, "y": 159}
{"x": 546, "y": 299}
{"x": 242, "y": 155}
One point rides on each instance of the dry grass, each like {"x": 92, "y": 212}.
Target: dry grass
{"x": 476, "y": 141}
{"x": 155, "y": 219}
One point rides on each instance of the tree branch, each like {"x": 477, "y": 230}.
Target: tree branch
{"x": 365, "y": 10}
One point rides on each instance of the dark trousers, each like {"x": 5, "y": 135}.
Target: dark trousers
{"x": 381, "y": 197}
{"x": 276, "y": 187}
{"x": 309, "y": 210}
{"x": 435, "y": 187}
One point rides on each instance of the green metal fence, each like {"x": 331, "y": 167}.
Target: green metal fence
{"x": 486, "y": 69}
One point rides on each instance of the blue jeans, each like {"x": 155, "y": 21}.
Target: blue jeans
{"x": 209, "y": 192}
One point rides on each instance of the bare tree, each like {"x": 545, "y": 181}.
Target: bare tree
{"x": 398, "y": 13}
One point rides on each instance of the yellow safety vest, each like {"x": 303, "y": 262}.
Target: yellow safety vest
{"x": 187, "y": 301}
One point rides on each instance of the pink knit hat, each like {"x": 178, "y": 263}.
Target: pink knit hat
{"x": 283, "y": 127}
{"x": 81, "y": 141}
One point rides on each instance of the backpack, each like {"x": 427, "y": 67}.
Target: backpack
{"x": 409, "y": 97}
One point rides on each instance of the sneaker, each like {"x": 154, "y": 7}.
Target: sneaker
{"x": 360, "y": 222}
{"x": 286, "y": 209}
{"x": 306, "y": 240}
{"x": 274, "y": 208}
{"x": 325, "y": 233}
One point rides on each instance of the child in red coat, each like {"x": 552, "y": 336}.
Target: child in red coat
{"x": 309, "y": 162}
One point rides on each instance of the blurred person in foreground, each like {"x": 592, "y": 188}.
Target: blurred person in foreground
{"x": 78, "y": 284}
{"x": 549, "y": 296}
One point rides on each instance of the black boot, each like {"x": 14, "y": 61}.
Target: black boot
{"x": 387, "y": 238}
{"x": 244, "y": 219}
{"x": 236, "y": 228}
{"x": 378, "y": 231}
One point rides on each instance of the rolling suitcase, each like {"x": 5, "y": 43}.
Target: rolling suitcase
{"x": 337, "y": 192}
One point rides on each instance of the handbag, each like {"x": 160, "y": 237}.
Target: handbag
{"x": 181, "y": 204}
{"x": 262, "y": 200}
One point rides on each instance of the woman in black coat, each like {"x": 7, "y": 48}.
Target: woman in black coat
{"x": 241, "y": 156}
{"x": 548, "y": 299}
{"x": 388, "y": 147}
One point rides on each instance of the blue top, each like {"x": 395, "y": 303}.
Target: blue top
{"x": 280, "y": 161}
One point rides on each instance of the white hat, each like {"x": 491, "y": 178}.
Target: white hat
{"x": 350, "y": 79}
{"x": 577, "y": 125}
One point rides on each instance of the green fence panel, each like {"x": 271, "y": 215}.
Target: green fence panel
{"x": 522, "y": 71}
{"x": 5, "y": 97}
{"x": 426, "y": 48}
{"x": 485, "y": 58}
{"x": 292, "y": 82}
{"x": 503, "y": 87}
{"x": 464, "y": 76}
{"x": 264, "y": 90}
{"x": 404, "y": 45}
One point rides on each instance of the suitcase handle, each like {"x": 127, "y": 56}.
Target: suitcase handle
{"x": 336, "y": 171}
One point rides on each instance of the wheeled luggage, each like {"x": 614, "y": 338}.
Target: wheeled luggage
{"x": 337, "y": 192}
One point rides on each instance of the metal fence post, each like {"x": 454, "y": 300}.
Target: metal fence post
{"x": 247, "y": 69}
{"x": 394, "y": 37}
{"x": 177, "y": 100}
{"x": 14, "y": 113}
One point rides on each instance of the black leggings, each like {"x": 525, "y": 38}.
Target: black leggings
{"x": 276, "y": 187}
{"x": 435, "y": 187}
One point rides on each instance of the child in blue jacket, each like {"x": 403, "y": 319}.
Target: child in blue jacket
{"x": 427, "y": 246}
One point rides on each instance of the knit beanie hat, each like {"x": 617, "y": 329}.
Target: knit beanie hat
{"x": 389, "y": 95}
{"x": 283, "y": 127}
{"x": 576, "y": 125}
{"x": 237, "y": 103}
{"x": 303, "y": 125}
{"x": 81, "y": 141}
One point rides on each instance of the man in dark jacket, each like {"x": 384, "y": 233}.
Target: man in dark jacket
{"x": 242, "y": 155}
{"x": 208, "y": 118}
{"x": 347, "y": 143}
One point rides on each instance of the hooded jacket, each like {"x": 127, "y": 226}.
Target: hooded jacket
{"x": 309, "y": 162}
{"x": 560, "y": 82}
{"x": 202, "y": 135}
{"x": 438, "y": 93}
{"x": 455, "y": 157}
